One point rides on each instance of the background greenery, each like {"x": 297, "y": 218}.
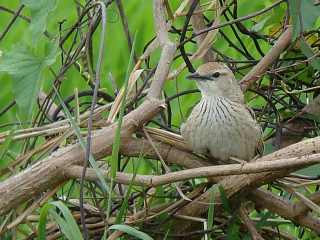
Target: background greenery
{"x": 63, "y": 13}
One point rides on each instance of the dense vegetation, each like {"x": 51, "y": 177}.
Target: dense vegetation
{"x": 93, "y": 94}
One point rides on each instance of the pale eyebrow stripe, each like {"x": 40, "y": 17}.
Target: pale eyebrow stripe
{"x": 223, "y": 72}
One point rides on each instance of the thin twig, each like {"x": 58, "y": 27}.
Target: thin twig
{"x": 233, "y": 21}
{"x": 14, "y": 18}
{"x": 93, "y": 105}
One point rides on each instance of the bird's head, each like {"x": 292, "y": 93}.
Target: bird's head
{"x": 216, "y": 79}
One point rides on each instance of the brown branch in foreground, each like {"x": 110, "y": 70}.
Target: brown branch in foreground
{"x": 243, "y": 184}
{"x": 208, "y": 171}
{"x": 46, "y": 174}
{"x": 133, "y": 148}
{"x": 178, "y": 157}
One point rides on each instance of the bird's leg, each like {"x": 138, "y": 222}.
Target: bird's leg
{"x": 255, "y": 158}
{"x": 237, "y": 160}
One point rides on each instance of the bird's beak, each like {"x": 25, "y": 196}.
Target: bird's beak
{"x": 194, "y": 76}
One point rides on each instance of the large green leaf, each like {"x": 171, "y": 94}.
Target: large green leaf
{"x": 26, "y": 68}
{"x": 304, "y": 14}
{"x": 39, "y": 10}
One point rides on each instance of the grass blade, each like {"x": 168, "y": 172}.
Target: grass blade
{"x": 82, "y": 142}
{"x": 64, "y": 219}
{"x": 131, "y": 231}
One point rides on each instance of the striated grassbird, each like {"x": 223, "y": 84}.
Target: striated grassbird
{"x": 221, "y": 125}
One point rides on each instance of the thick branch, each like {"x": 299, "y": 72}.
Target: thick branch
{"x": 47, "y": 173}
{"x": 237, "y": 185}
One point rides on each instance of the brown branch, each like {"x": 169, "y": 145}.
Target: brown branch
{"x": 198, "y": 24}
{"x": 243, "y": 184}
{"x": 249, "y": 224}
{"x": 299, "y": 208}
{"x": 46, "y": 174}
{"x": 208, "y": 171}
{"x": 284, "y": 208}
{"x": 263, "y": 65}
{"x": 167, "y": 53}
{"x": 171, "y": 155}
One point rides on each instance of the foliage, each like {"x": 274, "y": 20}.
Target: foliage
{"x": 26, "y": 68}
{"x": 53, "y": 48}
{"x": 66, "y": 223}
{"x": 39, "y": 12}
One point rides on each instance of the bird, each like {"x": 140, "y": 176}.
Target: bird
{"x": 221, "y": 125}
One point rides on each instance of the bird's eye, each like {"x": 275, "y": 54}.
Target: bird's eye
{"x": 215, "y": 74}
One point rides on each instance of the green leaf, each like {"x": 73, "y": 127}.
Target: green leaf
{"x": 260, "y": 25}
{"x": 64, "y": 219}
{"x": 116, "y": 144}
{"x": 304, "y": 14}
{"x": 125, "y": 203}
{"x": 310, "y": 13}
{"x": 26, "y": 68}
{"x": 67, "y": 224}
{"x": 233, "y": 230}
{"x": 131, "y": 231}
{"x": 40, "y": 10}
{"x": 263, "y": 222}
{"x": 213, "y": 192}
{"x": 310, "y": 171}
{"x": 42, "y": 221}
{"x": 224, "y": 200}
{"x": 308, "y": 52}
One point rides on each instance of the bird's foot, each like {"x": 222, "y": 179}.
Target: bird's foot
{"x": 237, "y": 160}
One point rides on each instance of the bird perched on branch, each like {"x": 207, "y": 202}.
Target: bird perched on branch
{"x": 220, "y": 125}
